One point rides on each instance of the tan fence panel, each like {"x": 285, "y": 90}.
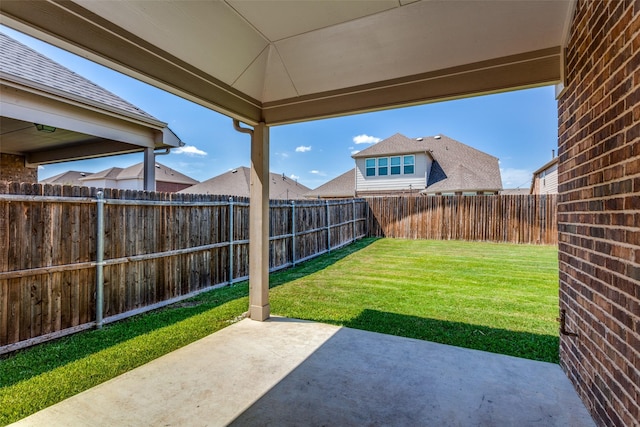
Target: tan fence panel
{"x": 509, "y": 218}
{"x": 158, "y": 248}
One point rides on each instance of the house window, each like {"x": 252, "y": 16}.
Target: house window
{"x": 408, "y": 164}
{"x": 395, "y": 166}
{"x": 383, "y": 166}
{"x": 371, "y": 167}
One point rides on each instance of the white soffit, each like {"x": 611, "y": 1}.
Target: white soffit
{"x": 262, "y": 60}
{"x": 278, "y": 20}
{"x": 421, "y": 37}
{"x": 206, "y": 34}
{"x": 329, "y": 45}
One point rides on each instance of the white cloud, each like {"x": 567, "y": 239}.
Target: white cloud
{"x": 355, "y": 152}
{"x": 366, "y": 139}
{"x": 303, "y": 149}
{"x": 317, "y": 172}
{"x": 283, "y": 155}
{"x": 293, "y": 176}
{"x": 189, "y": 150}
{"x": 516, "y": 178}
{"x": 40, "y": 167}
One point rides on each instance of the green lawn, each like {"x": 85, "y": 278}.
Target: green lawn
{"x": 495, "y": 297}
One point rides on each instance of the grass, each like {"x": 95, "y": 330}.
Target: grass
{"x": 494, "y": 297}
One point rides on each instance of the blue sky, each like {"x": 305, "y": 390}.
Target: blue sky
{"x": 520, "y": 128}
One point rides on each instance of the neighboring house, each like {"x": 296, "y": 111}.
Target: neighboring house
{"x": 132, "y": 178}
{"x": 50, "y": 114}
{"x": 436, "y": 165}
{"x": 66, "y": 178}
{"x": 515, "y": 191}
{"x": 341, "y": 187}
{"x": 545, "y": 179}
{"x": 237, "y": 182}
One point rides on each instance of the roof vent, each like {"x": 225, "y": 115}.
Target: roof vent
{"x": 419, "y": 139}
{"x": 83, "y": 174}
{"x": 437, "y": 137}
{"x": 158, "y": 166}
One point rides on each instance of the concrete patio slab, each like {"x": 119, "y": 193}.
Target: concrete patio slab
{"x": 286, "y": 372}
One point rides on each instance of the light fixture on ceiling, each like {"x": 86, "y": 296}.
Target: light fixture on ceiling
{"x": 44, "y": 128}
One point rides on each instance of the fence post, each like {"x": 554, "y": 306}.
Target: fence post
{"x": 353, "y": 218}
{"x": 328, "y": 227}
{"x": 293, "y": 232}
{"x": 99, "y": 258}
{"x": 230, "y": 240}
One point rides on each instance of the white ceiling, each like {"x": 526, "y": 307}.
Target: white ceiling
{"x": 280, "y": 61}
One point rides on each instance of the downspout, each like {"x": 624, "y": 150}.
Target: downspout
{"x": 236, "y": 126}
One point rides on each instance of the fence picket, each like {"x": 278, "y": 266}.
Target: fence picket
{"x": 513, "y": 218}
{"x": 174, "y": 245}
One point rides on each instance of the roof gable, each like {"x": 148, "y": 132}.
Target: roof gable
{"x": 66, "y": 178}
{"x": 395, "y": 144}
{"x": 163, "y": 174}
{"x": 237, "y": 182}
{"x": 340, "y": 186}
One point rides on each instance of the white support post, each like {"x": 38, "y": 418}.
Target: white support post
{"x": 149, "y": 166}
{"x": 259, "y": 225}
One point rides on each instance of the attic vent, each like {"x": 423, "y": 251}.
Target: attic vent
{"x": 419, "y": 139}
{"x": 437, "y": 137}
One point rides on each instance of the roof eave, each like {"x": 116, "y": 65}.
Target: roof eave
{"x": 71, "y": 99}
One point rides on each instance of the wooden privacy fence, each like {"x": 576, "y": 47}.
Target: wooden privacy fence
{"x": 501, "y": 218}
{"x": 157, "y": 249}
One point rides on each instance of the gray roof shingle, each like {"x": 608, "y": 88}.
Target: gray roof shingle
{"x": 456, "y": 166}
{"x": 236, "y": 182}
{"x": 163, "y": 174}
{"x": 23, "y": 64}
{"x": 66, "y": 178}
{"x": 339, "y": 187}
{"x": 395, "y": 144}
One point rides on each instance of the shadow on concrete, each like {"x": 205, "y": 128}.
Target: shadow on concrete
{"x": 288, "y": 372}
{"x": 358, "y": 378}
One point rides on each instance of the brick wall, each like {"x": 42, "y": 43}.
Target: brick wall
{"x": 12, "y": 168}
{"x": 599, "y": 209}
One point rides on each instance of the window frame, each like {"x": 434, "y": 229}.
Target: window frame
{"x": 367, "y": 167}
{"x": 386, "y": 166}
{"x": 405, "y": 164}
{"x": 382, "y": 167}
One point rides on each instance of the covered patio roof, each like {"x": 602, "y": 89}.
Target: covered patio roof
{"x": 273, "y": 62}
{"x": 279, "y": 62}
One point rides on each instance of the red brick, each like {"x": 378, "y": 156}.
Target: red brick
{"x": 12, "y": 168}
{"x": 599, "y": 203}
